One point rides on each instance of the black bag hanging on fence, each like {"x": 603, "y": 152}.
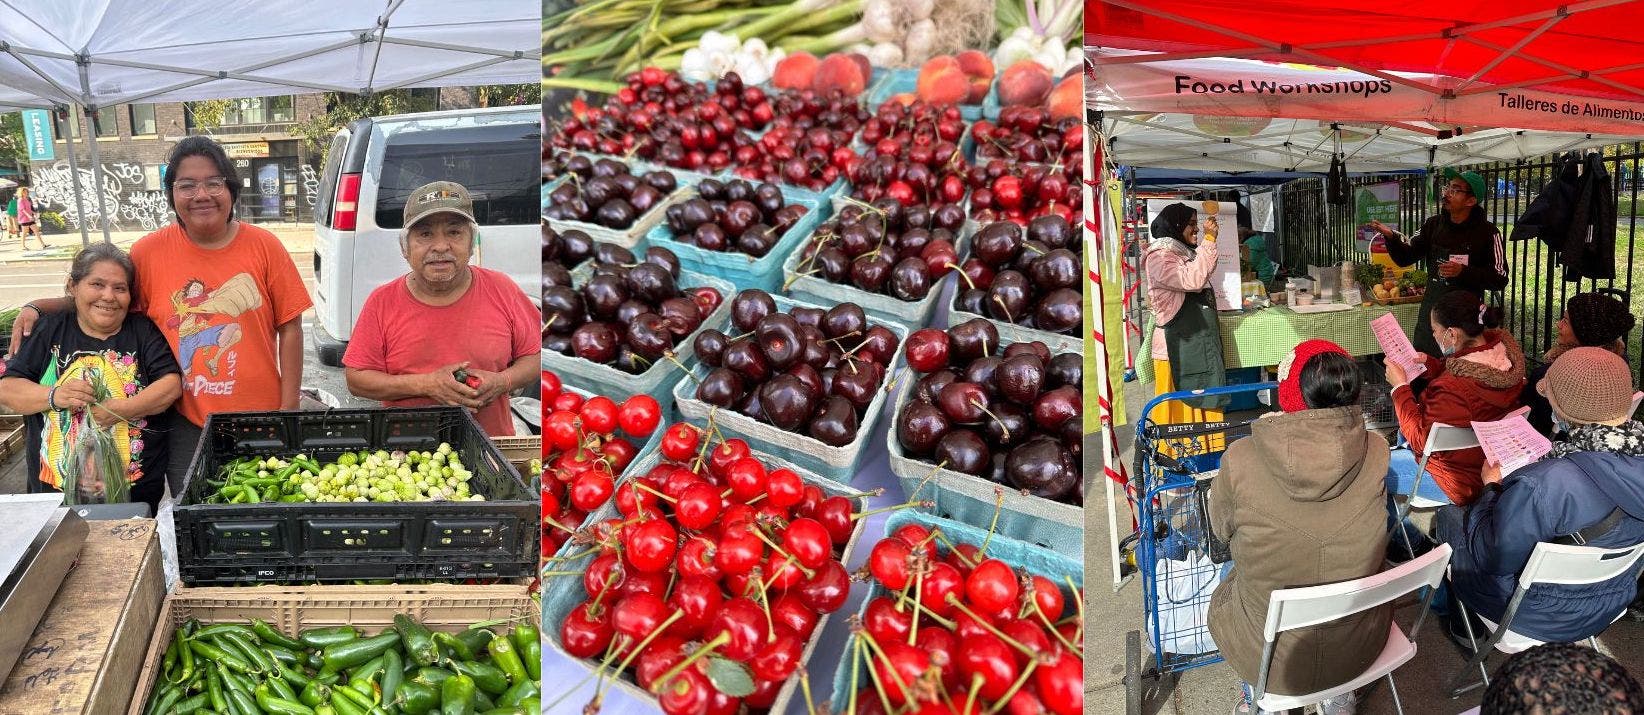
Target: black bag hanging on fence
{"x": 1336, "y": 190}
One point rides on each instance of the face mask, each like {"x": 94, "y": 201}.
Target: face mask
{"x": 1447, "y": 350}
{"x": 1559, "y": 425}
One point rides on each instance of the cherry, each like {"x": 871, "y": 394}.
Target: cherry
{"x": 697, "y": 557}
{"x": 1060, "y": 684}
{"x": 650, "y": 545}
{"x": 900, "y": 669}
{"x": 1048, "y": 598}
{"x": 884, "y": 622}
{"x": 785, "y": 488}
{"x": 927, "y": 350}
{"x": 599, "y": 414}
{"x": 697, "y": 598}
{"x": 631, "y": 500}
{"x": 779, "y": 657}
{"x": 943, "y": 647}
{"x": 784, "y": 573}
{"x": 680, "y": 442}
{"x": 567, "y": 402}
{"x": 722, "y": 704}
{"x": 743, "y": 623}
{"x": 888, "y": 562}
{"x": 727, "y": 453}
{"x": 808, "y": 541}
{"x": 586, "y": 632}
{"x": 746, "y": 477}
{"x": 992, "y": 586}
{"x": 591, "y": 490}
{"x": 604, "y": 574}
{"x": 790, "y": 611}
{"x": 986, "y": 656}
{"x": 942, "y": 581}
{"x": 698, "y": 505}
{"x": 620, "y": 453}
{"x": 835, "y": 514}
{"x": 918, "y": 537}
{"x": 663, "y": 653}
{"x": 1025, "y": 702}
{"x": 827, "y": 590}
{"x": 1029, "y": 634}
{"x": 639, "y": 415}
{"x": 638, "y": 615}
{"x": 560, "y": 430}
{"x": 739, "y": 551}
{"x": 687, "y": 693}
{"x": 550, "y": 386}
{"x": 764, "y": 694}
{"x": 645, "y": 582}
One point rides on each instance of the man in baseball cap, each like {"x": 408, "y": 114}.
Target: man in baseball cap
{"x": 447, "y": 332}
{"x": 1459, "y": 248}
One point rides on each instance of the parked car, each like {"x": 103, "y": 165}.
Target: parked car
{"x": 373, "y": 165}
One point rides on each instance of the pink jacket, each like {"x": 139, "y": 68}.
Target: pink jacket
{"x": 1172, "y": 273}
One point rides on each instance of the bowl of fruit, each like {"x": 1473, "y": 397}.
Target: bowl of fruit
{"x": 617, "y": 327}
{"x": 714, "y": 544}
{"x": 738, "y": 230}
{"x": 984, "y": 422}
{"x": 1408, "y": 288}
{"x": 1027, "y": 281}
{"x": 795, "y": 378}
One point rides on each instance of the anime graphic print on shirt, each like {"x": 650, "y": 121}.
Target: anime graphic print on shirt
{"x": 207, "y": 321}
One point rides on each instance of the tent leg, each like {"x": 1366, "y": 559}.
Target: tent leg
{"x": 79, "y": 197}
{"x": 84, "y": 63}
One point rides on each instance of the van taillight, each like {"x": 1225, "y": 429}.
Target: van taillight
{"x": 347, "y": 206}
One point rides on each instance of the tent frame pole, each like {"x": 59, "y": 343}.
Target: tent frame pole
{"x": 74, "y": 176}
{"x": 84, "y": 63}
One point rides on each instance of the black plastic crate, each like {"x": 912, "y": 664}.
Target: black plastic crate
{"x": 232, "y": 544}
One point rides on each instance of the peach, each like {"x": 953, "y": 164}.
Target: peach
{"x": 1025, "y": 83}
{"x": 839, "y": 72}
{"x": 976, "y": 64}
{"x": 1068, "y": 99}
{"x": 978, "y": 89}
{"x": 795, "y": 71}
{"x": 946, "y": 85}
{"x": 863, "y": 64}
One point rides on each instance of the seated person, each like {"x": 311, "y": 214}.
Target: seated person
{"x": 1596, "y": 320}
{"x": 1479, "y": 380}
{"x": 1575, "y": 488}
{"x": 1301, "y": 501}
{"x": 445, "y": 315}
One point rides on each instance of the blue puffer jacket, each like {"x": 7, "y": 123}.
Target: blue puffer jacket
{"x": 1538, "y": 503}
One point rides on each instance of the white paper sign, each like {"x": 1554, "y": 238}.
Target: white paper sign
{"x": 1390, "y": 336}
{"x": 1511, "y": 442}
{"x": 1458, "y": 258}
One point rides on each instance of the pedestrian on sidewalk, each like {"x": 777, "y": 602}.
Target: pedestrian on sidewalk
{"x": 26, "y": 212}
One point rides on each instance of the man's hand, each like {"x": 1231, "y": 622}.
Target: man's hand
{"x": 1395, "y": 375}
{"x": 1382, "y": 229}
{"x": 1491, "y": 472}
{"x": 1449, "y": 269}
{"x": 443, "y": 387}
{"x": 491, "y": 385}
{"x": 73, "y": 395}
{"x": 21, "y": 328}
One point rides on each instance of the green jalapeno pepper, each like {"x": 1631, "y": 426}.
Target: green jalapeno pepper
{"x": 487, "y": 677}
{"x": 457, "y": 695}
{"x": 417, "y": 640}
{"x": 322, "y": 637}
{"x": 343, "y": 656}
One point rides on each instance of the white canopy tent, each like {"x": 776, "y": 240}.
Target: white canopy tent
{"x": 100, "y": 53}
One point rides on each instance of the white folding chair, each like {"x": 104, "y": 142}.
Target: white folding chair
{"x": 1551, "y": 564}
{"x": 1440, "y": 438}
{"x": 1293, "y": 608}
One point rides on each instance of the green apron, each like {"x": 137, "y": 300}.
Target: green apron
{"x": 1193, "y": 339}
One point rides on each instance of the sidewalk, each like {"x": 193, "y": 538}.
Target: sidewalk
{"x": 297, "y": 237}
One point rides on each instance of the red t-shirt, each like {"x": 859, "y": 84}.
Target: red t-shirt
{"x": 490, "y": 326}
{"x": 219, "y": 309}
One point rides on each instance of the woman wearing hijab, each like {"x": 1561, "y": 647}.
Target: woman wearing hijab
{"x": 1187, "y": 337}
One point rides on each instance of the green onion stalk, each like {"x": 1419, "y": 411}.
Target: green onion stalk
{"x": 93, "y": 452}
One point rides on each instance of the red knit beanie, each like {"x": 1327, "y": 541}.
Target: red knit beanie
{"x": 1290, "y": 393}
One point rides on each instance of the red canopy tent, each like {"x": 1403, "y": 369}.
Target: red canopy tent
{"x": 1523, "y": 64}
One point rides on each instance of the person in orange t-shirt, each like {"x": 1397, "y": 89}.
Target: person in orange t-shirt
{"x": 417, "y": 332}
{"x": 226, "y": 295}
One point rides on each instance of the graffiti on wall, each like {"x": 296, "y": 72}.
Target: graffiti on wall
{"x": 126, "y": 197}
{"x": 311, "y": 184}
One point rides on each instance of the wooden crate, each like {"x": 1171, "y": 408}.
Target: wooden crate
{"x": 13, "y": 437}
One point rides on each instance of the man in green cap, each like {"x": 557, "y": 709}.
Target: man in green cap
{"x": 1460, "y": 250}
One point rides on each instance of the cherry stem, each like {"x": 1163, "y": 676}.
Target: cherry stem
{"x": 555, "y": 523}
{"x": 575, "y": 556}
{"x": 805, "y": 685}
{"x": 1058, "y": 634}
{"x": 641, "y": 485}
{"x": 894, "y": 507}
{"x": 765, "y": 604}
{"x": 842, "y": 337}
{"x": 1008, "y": 317}
{"x": 610, "y": 583}
{"x": 688, "y": 372}
{"x": 1012, "y": 642}
{"x": 856, "y": 673}
{"x": 947, "y": 623}
{"x": 918, "y": 592}
{"x": 874, "y": 492}
{"x": 998, "y": 506}
{"x": 954, "y": 549}
{"x": 1021, "y": 680}
{"x": 970, "y": 698}
{"x": 660, "y": 683}
{"x": 962, "y": 274}
{"x": 809, "y": 573}
{"x": 978, "y": 404}
{"x": 875, "y": 650}
{"x": 933, "y": 472}
{"x": 1078, "y": 597}
{"x": 645, "y": 642}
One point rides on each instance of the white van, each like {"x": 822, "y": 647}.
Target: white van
{"x": 374, "y": 164}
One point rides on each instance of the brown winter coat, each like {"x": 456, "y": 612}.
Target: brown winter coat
{"x": 1301, "y": 502}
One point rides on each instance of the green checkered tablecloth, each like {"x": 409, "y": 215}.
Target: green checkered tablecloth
{"x": 1264, "y": 337}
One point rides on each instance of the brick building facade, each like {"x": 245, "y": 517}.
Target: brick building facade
{"x": 278, "y": 171}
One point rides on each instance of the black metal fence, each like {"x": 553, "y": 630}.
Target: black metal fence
{"x": 1317, "y": 233}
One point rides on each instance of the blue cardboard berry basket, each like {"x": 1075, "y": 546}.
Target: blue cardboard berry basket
{"x": 741, "y": 269}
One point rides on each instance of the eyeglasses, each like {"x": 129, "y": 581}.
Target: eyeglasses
{"x": 1458, "y": 189}
{"x": 215, "y": 186}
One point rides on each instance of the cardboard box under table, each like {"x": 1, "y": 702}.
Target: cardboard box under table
{"x": 441, "y": 607}
{"x": 86, "y": 653}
